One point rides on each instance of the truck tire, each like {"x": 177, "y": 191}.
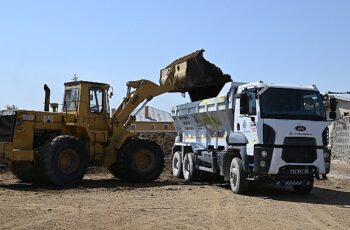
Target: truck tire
{"x": 140, "y": 161}
{"x": 190, "y": 173}
{"x": 176, "y": 165}
{"x": 63, "y": 161}
{"x": 238, "y": 178}
{"x": 24, "y": 171}
{"x": 304, "y": 189}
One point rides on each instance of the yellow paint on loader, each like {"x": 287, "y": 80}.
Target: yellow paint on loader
{"x": 57, "y": 147}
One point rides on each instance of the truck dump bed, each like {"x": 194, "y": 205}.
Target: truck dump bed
{"x": 205, "y": 122}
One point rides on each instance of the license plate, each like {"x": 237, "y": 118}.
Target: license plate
{"x": 299, "y": 171}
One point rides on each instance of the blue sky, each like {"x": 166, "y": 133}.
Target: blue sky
{"x": 298, "y": 42}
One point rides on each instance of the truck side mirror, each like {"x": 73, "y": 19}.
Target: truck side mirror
{"x": 333, "y": 104}
{"x": 332, "y": 115}
{"x": 244, "y": 103}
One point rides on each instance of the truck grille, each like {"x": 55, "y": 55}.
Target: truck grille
{"x": 7, "y": 124}
{"x": 299, "y": 150}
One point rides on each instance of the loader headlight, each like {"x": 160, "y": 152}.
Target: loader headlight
{"x": 263, "y": 153}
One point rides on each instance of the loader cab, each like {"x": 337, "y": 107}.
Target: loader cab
{"x": 85, "y": 99}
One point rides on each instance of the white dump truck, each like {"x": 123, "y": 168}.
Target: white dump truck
{"x": 256, "y": 132}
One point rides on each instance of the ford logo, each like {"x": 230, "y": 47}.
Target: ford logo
{"x": 300, "y": 128}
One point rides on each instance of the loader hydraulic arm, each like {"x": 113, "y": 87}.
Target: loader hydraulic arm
{"x": 138, "y": 92}
{"x": 191, "y": 73}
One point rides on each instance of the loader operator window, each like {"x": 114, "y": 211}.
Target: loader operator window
{"x": 71, "y": 98}
{"x": 96, "y": 100}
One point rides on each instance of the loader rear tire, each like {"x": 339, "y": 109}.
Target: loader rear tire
{"x": 113, "y": 169}
{"x": 62, "y": 161}
{"x": 140, "y": 161}
{"x": 24, "y": 171}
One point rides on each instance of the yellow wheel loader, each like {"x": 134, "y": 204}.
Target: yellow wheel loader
{"x": 56, "y": 148}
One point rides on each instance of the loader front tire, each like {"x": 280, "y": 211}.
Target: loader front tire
{"x": 140, "y": 161}
{"x": 62, "y": 161}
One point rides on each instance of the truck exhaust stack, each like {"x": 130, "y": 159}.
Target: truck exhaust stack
{"x": 195, "y": 75}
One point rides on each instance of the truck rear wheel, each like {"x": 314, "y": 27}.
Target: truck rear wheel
{"x": 62, "y": 161}
{"x": 304, "y": 189}
{"x": 176, "y": 164}
{"x": 238, "y": 178}
{"x": 189, "y": 170}
{"x": 140, "y": 161}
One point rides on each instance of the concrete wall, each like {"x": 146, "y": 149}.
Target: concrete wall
{"x": 340, "y": 139}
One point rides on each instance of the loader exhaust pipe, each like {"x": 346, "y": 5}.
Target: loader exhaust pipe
{"x": 47, "y": 98}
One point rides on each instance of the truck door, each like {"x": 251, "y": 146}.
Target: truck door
{"x": 247, "y": 120}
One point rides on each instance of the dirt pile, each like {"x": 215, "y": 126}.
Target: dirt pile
{"x": 164, "y": 140}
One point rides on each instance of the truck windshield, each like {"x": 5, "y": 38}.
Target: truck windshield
{"x": 292, "y": 104}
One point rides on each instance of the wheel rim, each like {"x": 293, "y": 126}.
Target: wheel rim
{"x": 144, "y": 161}
{"x": 68, "y": 161}
{"x": 233, "y": 176}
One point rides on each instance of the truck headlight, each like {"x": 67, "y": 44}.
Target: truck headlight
{"x": 263, "y": 153}
{"x": 262, "y": 164}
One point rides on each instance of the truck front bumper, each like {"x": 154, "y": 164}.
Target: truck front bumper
{"x": 269, "y": 161}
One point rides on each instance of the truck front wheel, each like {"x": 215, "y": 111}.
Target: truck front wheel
{"x": 238, "y": 178}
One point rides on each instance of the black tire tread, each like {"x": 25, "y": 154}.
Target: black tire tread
{"x": 25, "y": 171}
{"x": 243, "y": 188}
{"x": 195, "y": 173}
{"x": 122, "y": 168}
{"x": 43, "y": 158}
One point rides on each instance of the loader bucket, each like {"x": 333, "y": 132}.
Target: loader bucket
{"x": 195, "y": 75}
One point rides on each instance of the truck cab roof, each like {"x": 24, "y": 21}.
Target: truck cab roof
{"x": 261, "y": 84}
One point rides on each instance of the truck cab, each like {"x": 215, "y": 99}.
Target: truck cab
{"x": 285, "y": 127}
{"x": 257, "y": 132}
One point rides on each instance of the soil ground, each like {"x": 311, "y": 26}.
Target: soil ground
{"x": 102, "y": 202}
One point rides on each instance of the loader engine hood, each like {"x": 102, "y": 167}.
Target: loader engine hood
{"x": 195, "y": 75}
